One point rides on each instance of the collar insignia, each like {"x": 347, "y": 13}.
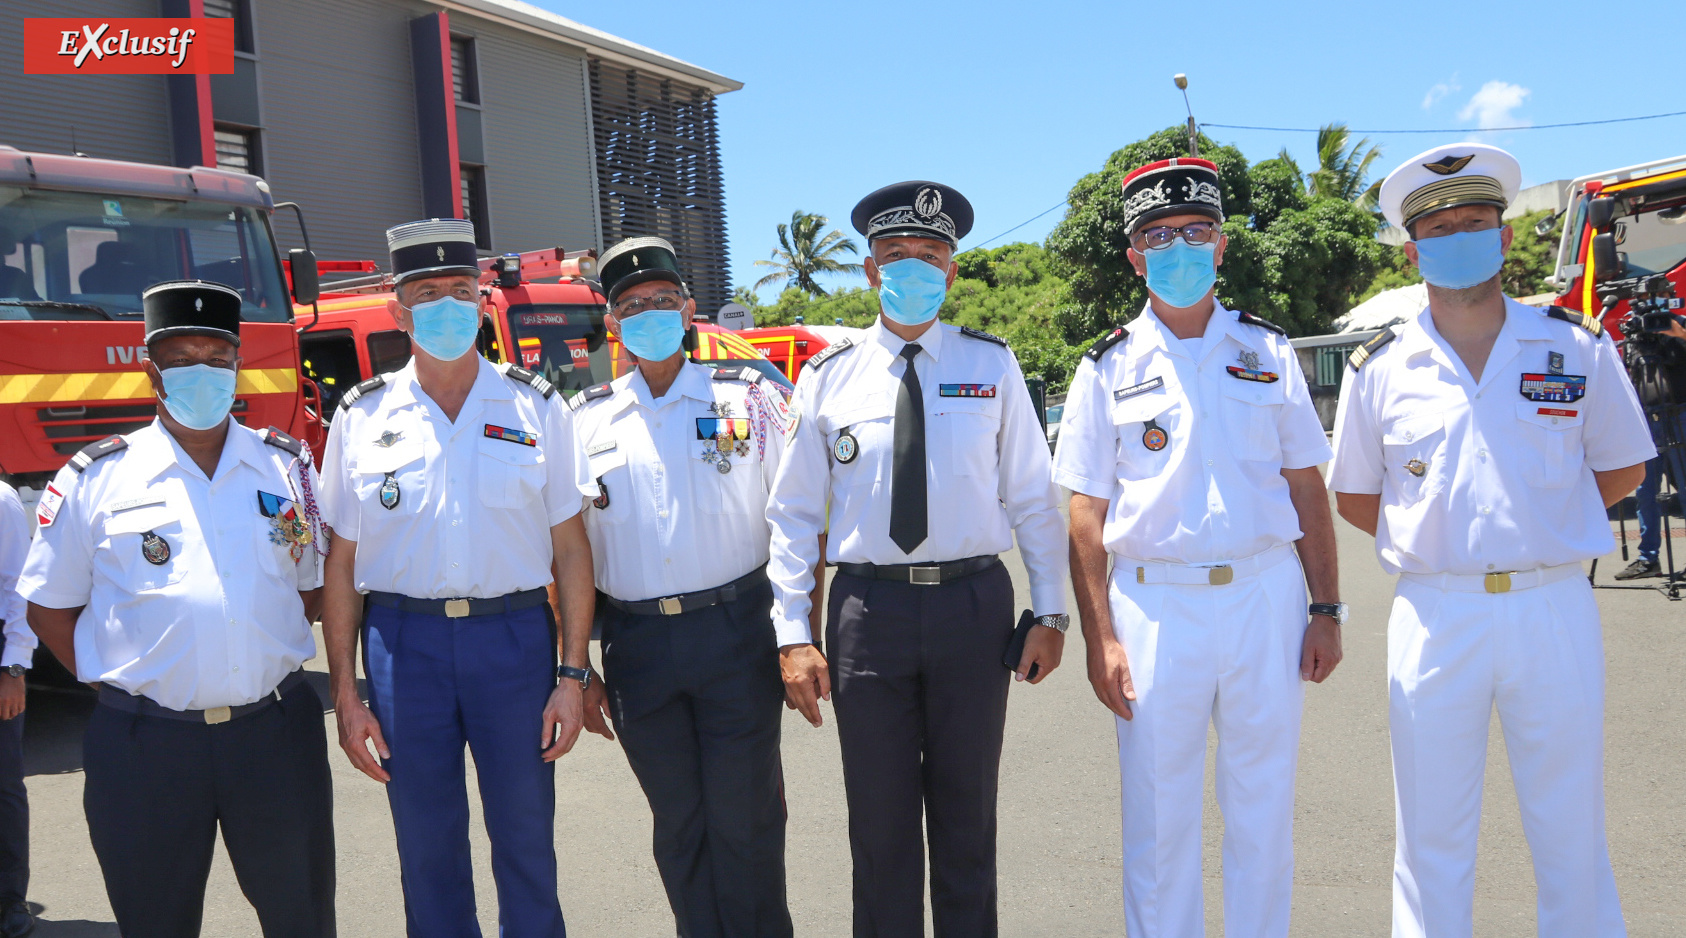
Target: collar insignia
{"x": 1448, "y": 164}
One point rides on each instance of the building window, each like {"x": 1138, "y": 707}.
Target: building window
{"x": 240, "y": 12}
{"x": 474, "y": 204}
{"x": 465, "y": 77}
{"x": 237, "y": 150}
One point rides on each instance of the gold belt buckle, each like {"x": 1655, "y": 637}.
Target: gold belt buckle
{"x": 218, "y": 715}
{"x": 671, "y": 606}
{"x": 1220, "y": 576}
{"x": 1141, "y": 574}
{"x": 1498, "y": 582}
{"x": 456, "y": 608}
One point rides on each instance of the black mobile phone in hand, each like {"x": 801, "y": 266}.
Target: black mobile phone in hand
{"x": 1015, "y": 648}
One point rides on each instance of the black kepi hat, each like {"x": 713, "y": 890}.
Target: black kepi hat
{"x": 191, "y": 307}
{"x": 917, "y": 208}
{"x": 434, "y": 247}
{"x": 635, "y": 261}
{"x": 1183, "y": 186}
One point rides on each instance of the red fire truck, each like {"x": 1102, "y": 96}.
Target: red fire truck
{"x": 80, "y": 239}
{"x": 1624, "y": 224}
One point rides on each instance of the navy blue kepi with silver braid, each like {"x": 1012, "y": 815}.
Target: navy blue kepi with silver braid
{"x": 914, "y": 209}
{"x": 635, "y": 261}
{"x": 191, "y": 307}
{"x": 436, "y": 247}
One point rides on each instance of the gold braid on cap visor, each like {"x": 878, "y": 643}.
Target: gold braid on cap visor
{"x": 1446, "y": 193}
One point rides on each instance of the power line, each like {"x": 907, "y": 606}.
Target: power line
{"x": 1018, "y": 226}
{"x": 1454, "y": 130}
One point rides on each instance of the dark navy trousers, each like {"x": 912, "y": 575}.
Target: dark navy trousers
{"x": 697, "y": 701}
{"x": 14, "y": 811}
{"x": 438, "y": 685}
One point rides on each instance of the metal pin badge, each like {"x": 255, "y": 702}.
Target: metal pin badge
{"x": 389, "y": 492}
{"x": 846, "y": 447}
{"x": 1154, "y": 437}
{"x": 1416, "y": 467}
{"x": 602, "y": 500}
{"x": 1554, "y": 363}
{"x": 155, "y": 549}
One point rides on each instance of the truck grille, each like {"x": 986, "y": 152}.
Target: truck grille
{"x": 73, "y": 426}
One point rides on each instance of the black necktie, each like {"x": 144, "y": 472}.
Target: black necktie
{"x": 907, "y": 470}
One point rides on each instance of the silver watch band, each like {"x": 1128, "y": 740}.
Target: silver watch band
{"x": 1058, "y": 623}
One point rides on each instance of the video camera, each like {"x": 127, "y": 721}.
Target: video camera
{"x": 1651, "y": 303}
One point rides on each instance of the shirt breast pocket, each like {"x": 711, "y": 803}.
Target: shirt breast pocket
{"x": 143, "y": 548}
{"x": 1143, "y": 451}
{"x": 610, "y": 472}
{"x": 1250, "y": 410}
{"x": 870, "y": 422}
{"x": 511, "y": 474}
{"x": 970, "y": 427}
{"x": 1415, "y": 450}
{"x": 1552, "y": 452}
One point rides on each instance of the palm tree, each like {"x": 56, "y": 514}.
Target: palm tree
{"x": 1341, "y": 169}
{"x": 804, "y": 252}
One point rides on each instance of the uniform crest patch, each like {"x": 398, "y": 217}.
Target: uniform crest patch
{"x": 48, "y": 507}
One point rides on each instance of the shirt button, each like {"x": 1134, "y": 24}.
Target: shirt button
{"x": 1554, "y": 421}
{"x": 1483, "y": 455}
{"x": 1478, "y": 395}
{"x": 1208, "y": 462}
{"x": 1409, "y": 436}
{"x": 662, "y": 513}
{"x": 456, "y": 522}
{"x": 234, "y": 622}
{"x": 453, "y": 564}
{"x": 1489, "y": 566}
{"x": 236, "y": 667}
{"x": 1484, "y": 510}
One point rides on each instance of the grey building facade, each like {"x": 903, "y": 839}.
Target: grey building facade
{"x": 367, "y": 113}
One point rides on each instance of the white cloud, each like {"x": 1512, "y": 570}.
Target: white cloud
{"x": 1493, "y": 105}
{"x": 1448, "y": 87}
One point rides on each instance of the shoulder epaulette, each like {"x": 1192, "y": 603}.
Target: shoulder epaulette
{"x": 531, "y": 379}
{"x": 360, "y": 389}
{"x": 1107, "y": 341}
{"x": 1362, "y": 354}
{"x": 980, "y": 334}
{"x": 737, "y": 373}
{"x": 829, "y": 352}
{"x": 1576, "y": 317}
{"x": 85, "y": 458}
{"x": 1253, "y": 320}
{"x": 281, "y": 440}
{"x": 590, "y": 394}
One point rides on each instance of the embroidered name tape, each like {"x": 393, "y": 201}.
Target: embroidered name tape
{"x": 511, "y": 436}
{"x": 1556, "y": 389}
{"x": 145, "y": 501}
{"x": 1134, "y": 389}
{"x": 966, "y": 390}
{"x": 602, "y": 447}
{"x": 1558, "y": 412}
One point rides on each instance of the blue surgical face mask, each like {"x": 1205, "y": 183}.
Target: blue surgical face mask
{"x": 445, "y": 328}
{"x": 198, "y": 396}
{"x": 911, "y": 291}
{"x": 653, "y": 335}
{"x": 1462, "y": 260}
{"x": 1180, "y": 273}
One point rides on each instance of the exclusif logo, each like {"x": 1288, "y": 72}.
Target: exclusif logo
{"x": 129, "y": 46}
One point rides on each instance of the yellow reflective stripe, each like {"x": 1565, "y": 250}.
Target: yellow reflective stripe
{"x": 125, "y": 385}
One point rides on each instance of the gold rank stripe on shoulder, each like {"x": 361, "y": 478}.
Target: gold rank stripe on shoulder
{"x": 1362, "y": 354}
{"x": 126, "y": 385}
{"x": 1576, "y": 317}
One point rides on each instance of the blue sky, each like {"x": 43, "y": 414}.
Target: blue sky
{"x": 1012, "y": 102}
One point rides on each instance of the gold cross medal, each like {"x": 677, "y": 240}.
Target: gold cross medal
{"x": 285, "y": 524}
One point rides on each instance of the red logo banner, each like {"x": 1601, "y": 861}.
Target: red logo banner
{"x": 128, "y": 46}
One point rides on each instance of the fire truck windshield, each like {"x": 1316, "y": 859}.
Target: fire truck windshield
{"x": 1654, "y": 242}
{"x": 88, "y": 255}
{"x": 563, "y": 342}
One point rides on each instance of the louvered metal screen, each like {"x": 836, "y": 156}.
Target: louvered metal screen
{"x": 658, "y": 172}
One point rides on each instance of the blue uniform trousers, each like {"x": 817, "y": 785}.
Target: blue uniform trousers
{"x": 697, "y": 701}
{"x": 1670, "y": 459}
{"x": 436, "y": 684}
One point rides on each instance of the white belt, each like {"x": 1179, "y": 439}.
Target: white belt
{"x": 1508, "y": 582}
{"x": 1206, "y": 574}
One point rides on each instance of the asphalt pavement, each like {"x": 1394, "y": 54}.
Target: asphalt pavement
{"x": 1059, "y": 840}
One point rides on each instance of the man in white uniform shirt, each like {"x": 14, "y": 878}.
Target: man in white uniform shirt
{"x": 1191, "y": 447}
{"x": 921, "y": 442}
{"x": 683, "y": 456}
{"x": 454, "y": 489}
{"x": 17, "y": 654}
{"x": 178, "y": 567}
{"x": 1480, "y": 443}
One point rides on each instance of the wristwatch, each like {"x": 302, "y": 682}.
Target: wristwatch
{"x": 16, "y": 670}
{"x": 583, "y": 675}
{"x": 1336, "y": 611}
{"x": 1058, "y": 623}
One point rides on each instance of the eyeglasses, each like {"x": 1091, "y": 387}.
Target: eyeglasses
{"x": 638, "y": 304}
{"x": 1198, "y": 232}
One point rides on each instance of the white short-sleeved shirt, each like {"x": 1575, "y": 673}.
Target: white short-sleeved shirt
{"x": 987, "y": 469}
{"x": 14, "y": 546}
{"x": 1478, "y": 477}
{"x": 667, "y": 520}
{"x": 189, "y": 594}
{"x": 1225, "y": 424}
{"x": 476, "y": 498}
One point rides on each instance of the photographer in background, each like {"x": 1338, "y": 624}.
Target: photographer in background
{"x": 1655, "y": 354}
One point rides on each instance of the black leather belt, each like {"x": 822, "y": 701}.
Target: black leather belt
{"x": 459, "y": 608}
{"x": 689, "y": 602}
{"x": 920, "y": 574}
{"x": 119, "y": 699}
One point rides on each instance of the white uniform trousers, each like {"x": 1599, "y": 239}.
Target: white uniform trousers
{"x": 1539, "y": 655}
{"x": 1199, "y": 654}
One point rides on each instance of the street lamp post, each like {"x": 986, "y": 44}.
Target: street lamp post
{"x": 1193, "y": 134}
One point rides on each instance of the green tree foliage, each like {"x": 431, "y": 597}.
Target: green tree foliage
{"x": 1343, "y": 167}
{"x": 804, "y": 252}
{"x": 1295, "y": 258}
